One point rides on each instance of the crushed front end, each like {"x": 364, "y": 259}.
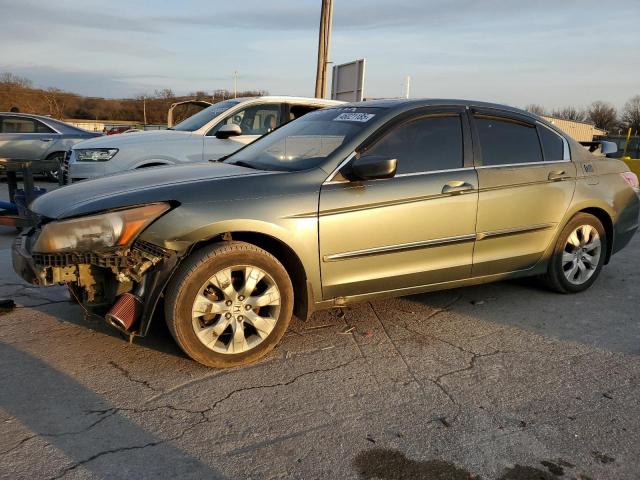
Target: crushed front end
{"x": 119, "y": 278}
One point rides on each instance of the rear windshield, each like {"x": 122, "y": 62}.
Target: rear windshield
{"x": 200, "y": 119}
{"x": 305, "y": 143}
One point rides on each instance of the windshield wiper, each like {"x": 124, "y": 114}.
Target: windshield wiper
{"x": 240, "y": 163}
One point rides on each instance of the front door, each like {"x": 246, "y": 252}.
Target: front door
{"x": 254, "y": 121}
{"x": 414, "y": 229}
{"x": 526, "y": 183}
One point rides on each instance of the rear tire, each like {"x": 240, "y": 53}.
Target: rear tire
{"x": 578, "y": 256}
{"x": 229, "y": 304}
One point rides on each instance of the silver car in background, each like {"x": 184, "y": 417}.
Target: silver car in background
{"x": 41, "y": 139}
{"x": 210, "y": 134}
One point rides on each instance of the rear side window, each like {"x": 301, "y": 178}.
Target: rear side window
{"x": 552, "y": 145}
{"x": 23, "y": 125}
{"x": 504, "y": 141}
{"x": 423, "y": 145}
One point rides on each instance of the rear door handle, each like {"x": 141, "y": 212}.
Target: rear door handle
{"x": 558, "y": 175}
{"x": 456, "y": 186}
{"x": 46, "y": 139}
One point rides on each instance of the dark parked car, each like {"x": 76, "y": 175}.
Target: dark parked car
{"x": 345, "y": 204}
{"x": 42, "y": 139}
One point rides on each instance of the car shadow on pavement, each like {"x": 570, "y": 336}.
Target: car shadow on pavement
{"x": 601, "y": 316}
{"x": 84, "y": 427}
{"x": 158, "y": 337}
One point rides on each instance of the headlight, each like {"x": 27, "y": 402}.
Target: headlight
{"x": 95, "y": 154}
{"x": 98, "y": 231}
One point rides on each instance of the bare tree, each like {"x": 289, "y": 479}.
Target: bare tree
{"x": 603, "y": 115}
{"x": 570, "y": 113}
{"x": 8, "y": 78}
{"x": 631, "y": 114}
{"x": 536, "y": 109}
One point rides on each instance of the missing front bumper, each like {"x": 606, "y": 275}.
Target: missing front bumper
{"x": 100, "y": 278}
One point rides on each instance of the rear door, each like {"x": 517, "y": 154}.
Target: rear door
{"x": 25, "y": 138}
{"x": 414, "y": 229}
{"x": 254, "y": 120}
{"x": 526, "y": 180}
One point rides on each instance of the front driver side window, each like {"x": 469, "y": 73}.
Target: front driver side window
{"x": 425, "y": 144}
{"x": 253, "y": 120}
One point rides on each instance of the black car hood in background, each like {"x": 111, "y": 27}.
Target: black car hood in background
{"x": 135, "y": 187}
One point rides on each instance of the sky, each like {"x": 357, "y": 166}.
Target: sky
{"x": 549, "y": 52}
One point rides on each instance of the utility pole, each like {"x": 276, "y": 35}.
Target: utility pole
{"x": 144, "y": 109}
{"x": 235, "y": 84}
{"x": 324, "y": 41}
{"x": 408, "y": 88}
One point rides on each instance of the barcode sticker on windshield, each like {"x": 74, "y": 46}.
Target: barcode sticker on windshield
{"x": 354, "y": 117}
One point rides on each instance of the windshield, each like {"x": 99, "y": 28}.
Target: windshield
{"x": 306, "y": 142}
{"x": 200, "y": 119}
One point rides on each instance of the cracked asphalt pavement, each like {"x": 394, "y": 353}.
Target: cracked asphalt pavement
{"x": 501, "y": 381}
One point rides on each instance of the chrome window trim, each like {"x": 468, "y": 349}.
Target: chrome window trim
{"x": 412, "y": 174}
{"x": 330, "y": 181}
{"x": 507, "y": 165}
{"x": 331, "y": 176}
{"x": 566, "y": 154}
{"x": 398, "y": 248}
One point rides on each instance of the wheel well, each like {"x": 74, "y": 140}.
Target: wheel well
{"x": 54, "y": 154}
{"x": 607, "y": 223}
{"x": 285, "y": 255}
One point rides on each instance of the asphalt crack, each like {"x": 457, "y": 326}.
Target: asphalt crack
{"x": 203, "y": 416}
{"x": 130, "y": 377}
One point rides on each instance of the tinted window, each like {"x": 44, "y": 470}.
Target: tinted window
{"x": 552, "y": 145}
{"x": 504, "y": 141}
{"x": 422, "y": 145}
{"x": 254, "y": 120}
{"x": 23, "y": 125}
{"x": 296, "y": 111}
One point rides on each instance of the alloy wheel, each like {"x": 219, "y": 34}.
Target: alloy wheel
{"x": 581, "y": 255}
{"x": 236, "y": 309}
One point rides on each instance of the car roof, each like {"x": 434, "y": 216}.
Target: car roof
{"x": 286, "y": 98}
{"x": 406, "y": 104}
{"x": 54, "y": 123}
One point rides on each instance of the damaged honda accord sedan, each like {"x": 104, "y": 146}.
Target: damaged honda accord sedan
{"x": 350, "y": 203}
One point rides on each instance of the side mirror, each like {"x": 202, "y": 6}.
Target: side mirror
{"x": 371, "y": 167}
{"x": 226, "y": 131}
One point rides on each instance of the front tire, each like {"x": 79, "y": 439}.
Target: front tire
{"x": 578, "y": 256}
{"x": 54, "y": 175}
{"x": 229, "y": 304}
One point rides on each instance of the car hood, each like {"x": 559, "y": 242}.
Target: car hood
{"x": 136, "y": 188}
{"x": 124, "y": 139}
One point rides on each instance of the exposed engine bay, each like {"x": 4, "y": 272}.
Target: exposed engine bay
{"x": 121, "y": 283}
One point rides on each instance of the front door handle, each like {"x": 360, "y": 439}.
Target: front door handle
{"x": 46, "y": 139}
{"x": 558, "y": 175}
{"x": 456, "y": 186}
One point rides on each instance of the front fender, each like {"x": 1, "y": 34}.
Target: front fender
{"x": 290, "y": 220}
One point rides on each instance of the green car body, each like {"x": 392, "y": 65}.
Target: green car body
{"x": 343, "y": 239}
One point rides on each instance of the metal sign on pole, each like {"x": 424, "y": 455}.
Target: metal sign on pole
{"x": 348, "y": 81}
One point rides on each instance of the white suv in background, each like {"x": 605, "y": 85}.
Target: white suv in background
{"x": 214, "y": 132}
